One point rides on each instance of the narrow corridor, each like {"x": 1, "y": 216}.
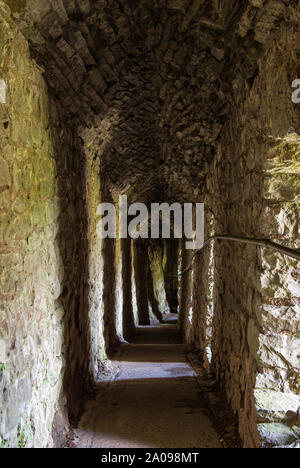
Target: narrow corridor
{"x": 131, "y": 133}
{"x": 153, "y": 401}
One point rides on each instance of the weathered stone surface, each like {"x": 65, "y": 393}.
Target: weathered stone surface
{"x": 155, "y": 253}
{"x": 37, "y": 245}
{"x": 141, "y": 283}
{"x": 275, "y": 406}
{"x": 162, "y": 78}
{"x": 255, "y": 336}
{"x": 218, "y": 53}
{"x": 141, "y": 101}
{"x": 176, "y": 4}
{"x": 19, "y": 397}
{"x": 279, "y": 351}
{"x": 281, "y": 318}
{"x": 2, "y": 351}
{"x": 276, "y": 435}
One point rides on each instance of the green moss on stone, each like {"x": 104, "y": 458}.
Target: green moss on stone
{"x": 3, "y": 442}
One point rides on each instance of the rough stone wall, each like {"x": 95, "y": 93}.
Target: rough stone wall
{"x": 185, "y": 297}
{"x": 278, "y": 343}
{"x": 133, "y": 285}
{"x": 55, "y": 272}
{"x": 119, "y": 291}
{"x": 155, "y": 95}
{"x": 151, "y": 78}
{"x": 128, "y": 312}
{"x": 94, "y": 280}
{"x": 74, "y": 244}
{"x": 199, "y": 306}
{"x": 141, "y": 281}
{"x": 32, "y": 270}
{"x": 125, "y": 322}
{"x": 155, "y": 253}
{"x": 252, "y": 190}
{"x": 154, "y": 305}
{"x": 210, "y": 292}
{"x": 202, "y": 295}
{"x": 110, "y": 280}
{"x": 171, "y": 274}
{"x": 279, "y": 339}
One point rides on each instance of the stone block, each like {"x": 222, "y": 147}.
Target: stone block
{"x": 281, "y": 351}
{"x": 275, "y": 406}
{"x": 276, "y": 435}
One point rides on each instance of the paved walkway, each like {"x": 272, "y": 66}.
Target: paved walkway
{"x": 153, "y": 402}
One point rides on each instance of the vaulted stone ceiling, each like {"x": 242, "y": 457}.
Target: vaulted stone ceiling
{"x": 149, "y": 83}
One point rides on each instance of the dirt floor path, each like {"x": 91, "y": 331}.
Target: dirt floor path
{"x": 153, "y": 401}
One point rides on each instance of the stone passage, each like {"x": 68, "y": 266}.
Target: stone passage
{"x": 152, "y": 401}
{"x": 186, "y": 101}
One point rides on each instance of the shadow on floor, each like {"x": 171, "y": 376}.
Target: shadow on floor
{"x": 154, "y": 400}
{"x": 153, "y": 412}
{"x": 160, "y": 343}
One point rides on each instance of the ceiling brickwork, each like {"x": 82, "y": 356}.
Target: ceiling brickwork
{"x": 149, "y": 83}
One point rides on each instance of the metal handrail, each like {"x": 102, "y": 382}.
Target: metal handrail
{"x": 266, "y": 243}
